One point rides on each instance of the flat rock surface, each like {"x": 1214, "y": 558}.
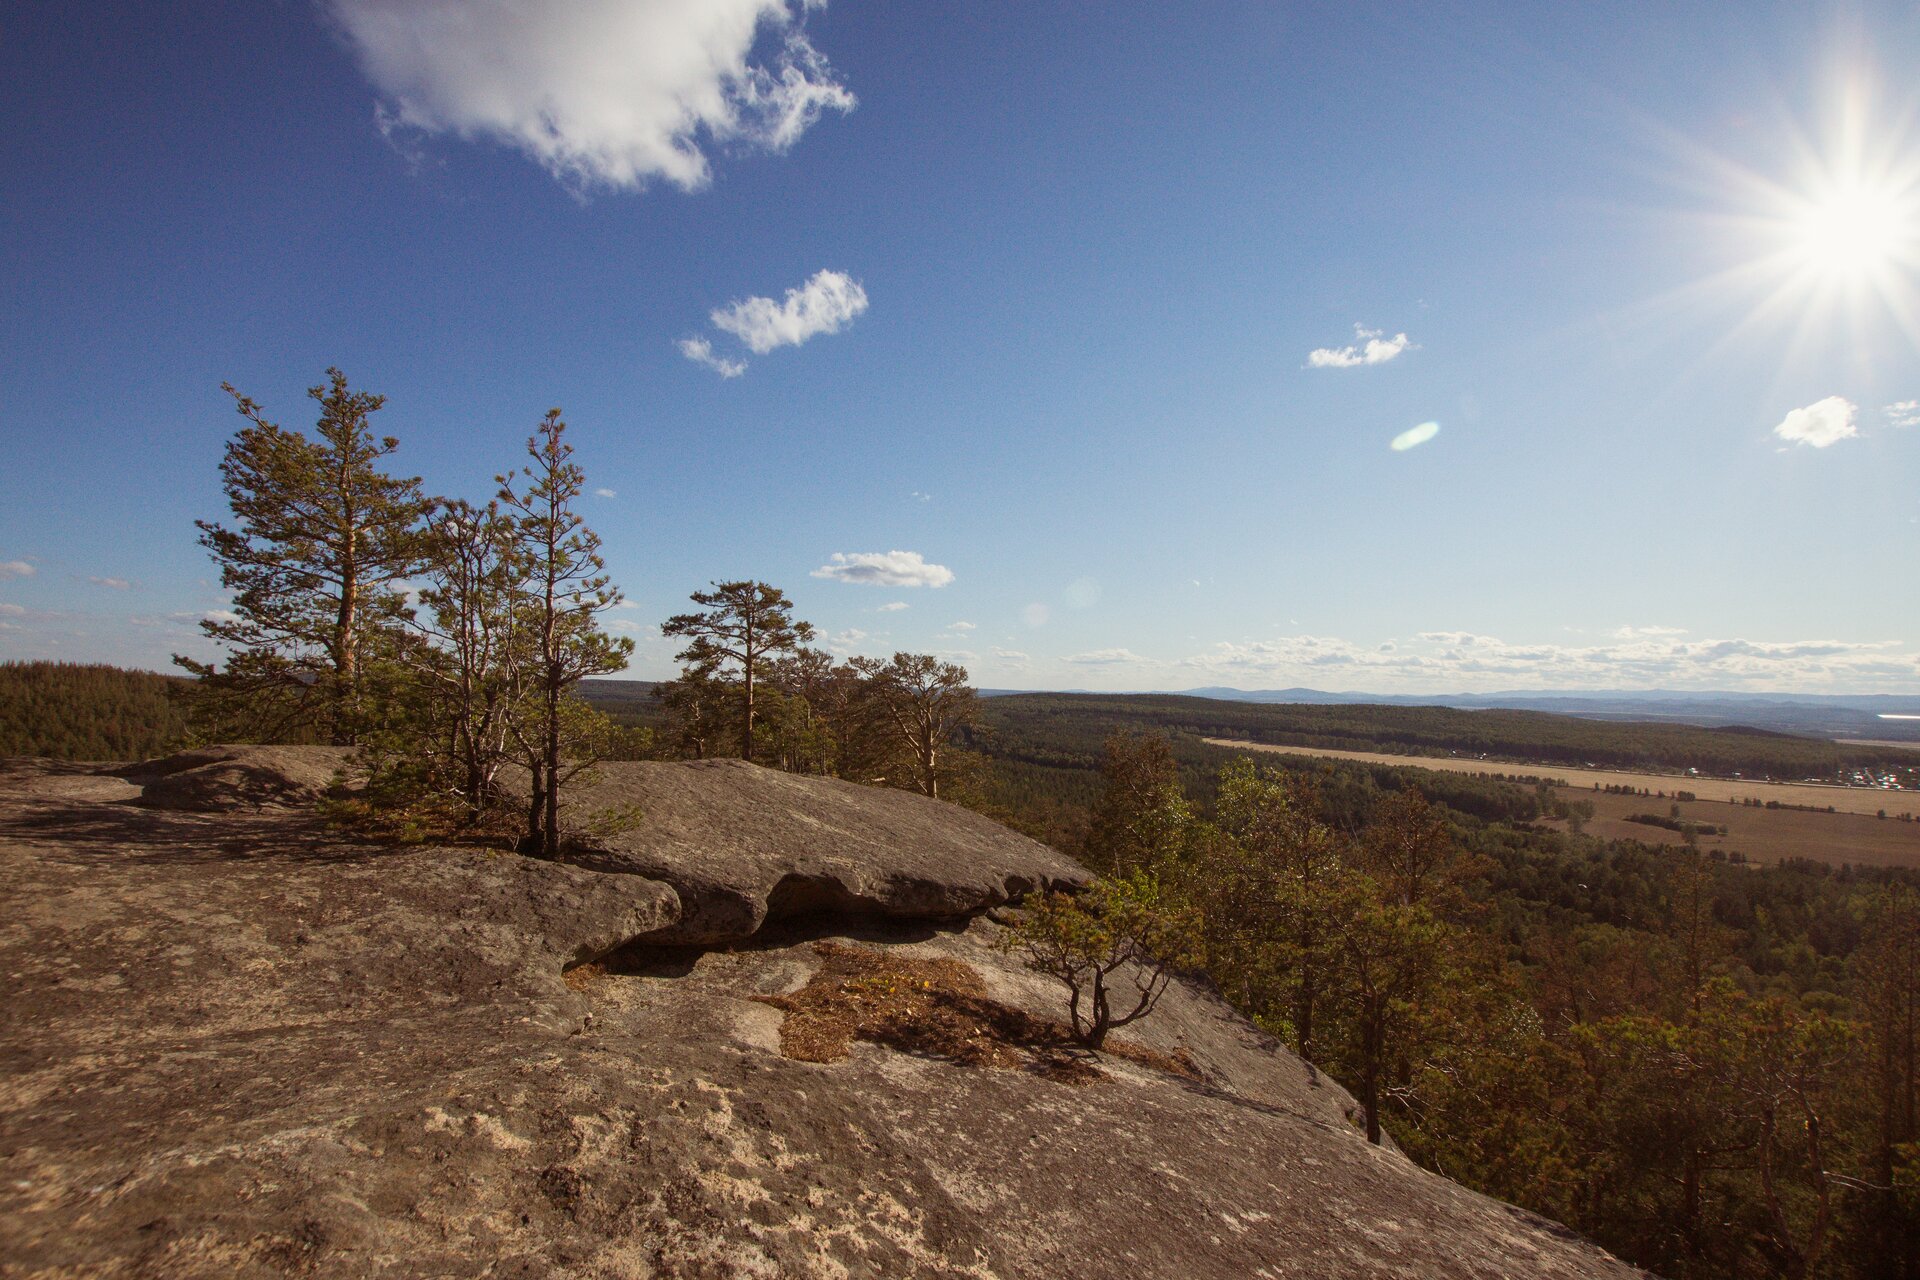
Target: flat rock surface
{"x": 745, "y": 844}
{"x": 237, "y": 1045}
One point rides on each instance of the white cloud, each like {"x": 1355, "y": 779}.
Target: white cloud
{"x": 220, "y": 615}
{"x": 826, "y": 303}
{"x": 1372, "y": 347}
{"x": 12, "y": 610}
{"x": 1104, "y": 657}
{"x": 1414, "y": 437}
{"x": 1646, "y": 657}
{"x": 1904, "y": 413}
{"x": 116, "y": 584}
{"x": 602, "y": 93}
{"x": 892, "y": 606}
{"x": 959, "y": 626}
{"x": 885, "y": 569}
{"x": 700, "y": 351}
{"x": 1036, "y": 614}
{"x": 918, "y": 496}
{"x": 15, "y": 569}
{"x": 851, "y": 640}
{"x": 1010, "y": 656}
{"x": 603, "y": 493}
{"x": 1822, "y": 423}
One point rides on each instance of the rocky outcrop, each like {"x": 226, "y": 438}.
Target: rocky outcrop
{"x": 224, "y": 779}
{"x": 238, "y": 1045}
{"x": 744, "y": 845}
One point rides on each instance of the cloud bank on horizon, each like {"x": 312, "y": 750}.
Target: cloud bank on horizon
{"x": 1462, "y": 661}
{"x": 609, "y": 94}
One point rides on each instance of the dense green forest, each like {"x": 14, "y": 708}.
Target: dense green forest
{"x": 70, "y": 711}
{"x": 1708, "y": 1067}
{"x": 1049, "y": 728}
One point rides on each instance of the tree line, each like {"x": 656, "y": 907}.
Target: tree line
{"x": 446, "y": 640}
{"x": 76, "y": 711}
{"x": 1050, "y": 722}
{"x": 1709, "y": 1069}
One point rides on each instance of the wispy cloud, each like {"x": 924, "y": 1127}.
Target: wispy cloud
{"x": 1635, "y": 657}
{"x": 15, "y": 569}
{"x": 826, "y": 303}
{"x": 960, "y": 626}
{"x": 892, "y": 606}
{"x": 1370, "y": 346}
{"x": 9, "y": 610}
{"x": 700, "y": 351}
{"x": 602, "y": 93}
{"x": 604, "y": 493}
{"x": 884, "y": 569}
{"x": 1904, "y": 413}
{"x": 1820, "y": 424}
{"x": 115, "y": 584}
{"x": 1104, "y": 658}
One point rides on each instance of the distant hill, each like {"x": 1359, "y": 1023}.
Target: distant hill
{"x": 70, "y": 711}
{"x": 1811, "y": 715}
{"x": 1061, "y": 729}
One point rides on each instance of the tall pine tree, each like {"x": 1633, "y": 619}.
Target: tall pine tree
{"x": 564, "y": 590}
{"x": 321, "y": 543}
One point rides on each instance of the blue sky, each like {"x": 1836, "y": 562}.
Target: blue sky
{"x": 1655, "y": 280}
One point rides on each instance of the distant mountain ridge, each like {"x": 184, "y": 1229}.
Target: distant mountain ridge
{"x": 1816, "y": 715}
{"x": 1809, "y": 714}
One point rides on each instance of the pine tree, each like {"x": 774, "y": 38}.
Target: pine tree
{"x": 565, "y": 589}
{"x": 475, "y": 668}
{"x": 745, "y": 627}
{"x": 322, "y": 542}
{"x": 926, "y": 702}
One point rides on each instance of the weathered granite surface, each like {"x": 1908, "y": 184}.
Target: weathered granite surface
{"x": 226, "y": 778}
{"x": 238, "y": 1045}
{"x": 745, "y": 844}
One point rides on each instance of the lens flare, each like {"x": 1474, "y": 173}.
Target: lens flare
{"x": 1414, "y": 437}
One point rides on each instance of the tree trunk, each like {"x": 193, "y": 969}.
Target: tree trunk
{"x": 746, "y": 707}
{"x": 1371, "y": 1038}
{"x": 536, "y": 809}
{"x": 346, "y": 665}
{"x": 550, "y": 837}
{"x": 1303, "y": 1012}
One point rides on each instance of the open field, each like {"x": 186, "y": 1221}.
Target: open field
{"x": 1763, "y": 835}
{"x": 1863, "y": 800}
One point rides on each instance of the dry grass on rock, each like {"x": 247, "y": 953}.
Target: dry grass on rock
{"x": 937, "y": 1007}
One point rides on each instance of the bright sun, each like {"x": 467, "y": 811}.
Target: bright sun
{"x": 1854, "y": 233}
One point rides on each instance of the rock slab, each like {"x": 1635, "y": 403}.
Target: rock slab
{"x": 237, "y": 1044}
{"x": 745, "y": 845}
